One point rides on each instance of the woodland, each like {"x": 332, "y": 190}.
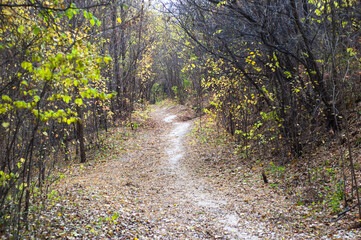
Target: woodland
{"x": 271, "y": 88}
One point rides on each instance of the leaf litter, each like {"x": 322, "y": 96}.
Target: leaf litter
{"x": 161, "y": 183}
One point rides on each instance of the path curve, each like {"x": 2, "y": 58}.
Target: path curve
{"x": 152, "y": 185}
{"x": 199, "y": 209}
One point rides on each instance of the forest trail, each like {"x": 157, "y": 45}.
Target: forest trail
{"x": 276, "y": 153}
{"x": 150, "y": 187}
{"x": 189, "y": 206}
{"x": 156, "y": 183}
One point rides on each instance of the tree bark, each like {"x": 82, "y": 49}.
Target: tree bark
{"x": 80, "y": 133}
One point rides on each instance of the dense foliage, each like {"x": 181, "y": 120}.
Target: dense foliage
{"x": 282, "y": 77}
{"x": 283, "y": 74}
{"x": 69, "y": 71}
{"x": 295, "y": 63}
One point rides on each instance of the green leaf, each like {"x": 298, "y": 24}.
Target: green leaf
{"x": 107, "y": 59}
{"x": 27, "y": 66}
{"x": 20, "y": 104}
{"x": 36, "y": 30}
{"x": 78, "y": 101}
{"x": 102, "y": 96}
{"x": 92, "y": 21}
{"x": 6, "y": 98}
{"x": 66, "y": 99}
{"x": 86, "y": 14}
{"x": 5, "y": 124}
{"x": 21, "y": 29}
{"x": 36, "y": 99}
{"x": 69, "y": 13}
{"x": 59, "y": 57}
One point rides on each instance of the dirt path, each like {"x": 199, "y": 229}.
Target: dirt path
{"x": 190, "y": 207}
{"x": 154, "y": 184}
{"x": 158, "y": 172}
{"x": 151, "y": 186}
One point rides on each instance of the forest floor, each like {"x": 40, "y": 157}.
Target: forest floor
{"x": 158, "y": 182}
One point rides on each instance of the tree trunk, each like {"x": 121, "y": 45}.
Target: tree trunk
{"x": 80, "y": 133}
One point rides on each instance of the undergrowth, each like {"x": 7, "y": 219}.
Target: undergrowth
{"x": 315, "y": 180}
{"x": 46, "y": 203}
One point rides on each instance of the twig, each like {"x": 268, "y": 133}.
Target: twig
{"x": 343, "y": 213}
